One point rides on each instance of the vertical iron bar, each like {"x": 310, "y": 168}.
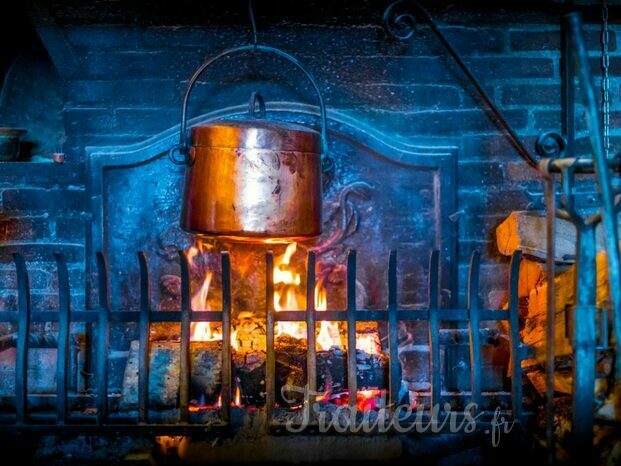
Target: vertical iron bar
{"x": 393, "y": 341}
{"x": 473, "y": 328}
{"x": 311, "y": 354}
{"x": 352, "y": 382}
{"x": 23, "y": 328}
{"x": 602, "y": 170}
{"x": 584, "y": 343}
{"x": 226, "y": 337}
{"x": 514, "y": 336}
{"x": 184, "y": 356}
{"x": 144, "y": 330}
{"x": 103, "y": 338}
{"x": 434, "y": 328}
{"x": 62, "y": 361}
{"x": 567, "y": 90}
{"x": 550, "y": 317}
{"x": 270, "y": 363}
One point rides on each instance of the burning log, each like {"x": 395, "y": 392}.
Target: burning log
{"x": 372, "y": 364}
{"x": 164, "y": 358}
{"x": 290, "y": 367}
{"x": 332, "y": 370}
{"x": 248, "y": 341}
{"x": 331, "y": 365}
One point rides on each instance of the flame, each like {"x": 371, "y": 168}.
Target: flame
{"x": 289, "y": 297}
{"x": 368, "y": 343}
{"x": 202, "y": 331}
{"x": 366, "y": 399}
{"x": 237, "y": 398}
{"x": 234, "y": 341}
{"x": 328, "y": 335}
{"x": 199, "y": 300}
{"x": 168, "y": 444}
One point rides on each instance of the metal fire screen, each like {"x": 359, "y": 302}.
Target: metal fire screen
{"x": 103, "y": 420}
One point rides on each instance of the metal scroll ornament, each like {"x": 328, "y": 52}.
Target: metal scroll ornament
{"x": 399, "y": 21}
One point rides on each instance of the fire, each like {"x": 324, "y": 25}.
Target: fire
{"x": 237, "y": 397}
{"x": 288, "y": 297}
{"x": 202, "y": 331}
{"x": 168, "y": 444}
{"x": 234, "y": 341}
{"x": 287, "y": 293}
{"x": 367, "y": 399}
{"x": 368, "y": 343}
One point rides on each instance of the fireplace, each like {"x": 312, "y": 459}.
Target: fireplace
{"x": 196, "y": 352}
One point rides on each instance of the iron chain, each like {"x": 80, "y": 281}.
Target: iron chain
{"x": 605, "y": 83}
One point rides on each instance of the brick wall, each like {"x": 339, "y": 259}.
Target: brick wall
{"x": 124, "y": 77}
{"x": 42, "y": 212}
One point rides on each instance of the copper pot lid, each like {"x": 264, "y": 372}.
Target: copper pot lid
{"x": 257, "y": 134}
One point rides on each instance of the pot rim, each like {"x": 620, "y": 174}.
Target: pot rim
{"x": 256, "y": 134}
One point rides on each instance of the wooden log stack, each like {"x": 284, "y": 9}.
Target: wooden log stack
{"x": 527, "y": 231}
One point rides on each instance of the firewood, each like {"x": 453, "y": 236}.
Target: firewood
{"x": 249, "y": 358}
{"x": 562, "y": 381}
{"x": 164, "y": 357}
{"x": 41, "y": 371}
{"x": 534, "y": 331}
{"x": 290, "y": 368}
{"x": 531, "y": 274}
{"x": 526, "y": 231}
{"x": 249, "y": 377}
{"x": 331, "y": 370}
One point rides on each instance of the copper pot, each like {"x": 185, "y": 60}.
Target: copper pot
{"x": 252, "y": 179}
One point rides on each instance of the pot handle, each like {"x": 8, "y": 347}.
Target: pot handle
{"x": 182, "y": 148}
{"x": 256, "y": 99}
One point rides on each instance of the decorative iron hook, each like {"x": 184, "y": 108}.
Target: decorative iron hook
{"x": 399, "y": 22}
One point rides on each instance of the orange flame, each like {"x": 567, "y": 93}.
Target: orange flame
{"x": 234, "y": 341}
{"x": 286, "y": 293}
{"x": 328, "y": 335}
{"x": 366, "y": 399}
{"x": 288, "y": 297}
{"x": 368, "y": 343}
{"x": 237, "y": 398}
{"x": 202, "y": 331}
{"x": 168, "y": 444}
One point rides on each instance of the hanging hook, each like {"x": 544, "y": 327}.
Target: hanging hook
{"x": 253, "y": 23}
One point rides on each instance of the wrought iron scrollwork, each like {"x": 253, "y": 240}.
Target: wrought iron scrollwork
{"x": 399, "y": 21}
{"x": 550, "y": 145}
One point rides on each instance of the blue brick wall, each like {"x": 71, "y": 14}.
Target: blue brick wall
{"x": 127, "y": 81}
